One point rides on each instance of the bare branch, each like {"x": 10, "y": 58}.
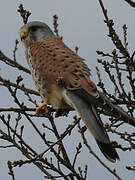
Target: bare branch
{"x": 55, "y": 25}
{"x": 131, "y": 3}
{"x": 12, "y": 63}
{"x": 23, "y": 13}
{"x": 15, "y": 49}
{"x": 93, "y": 153}
{"x": 11, "y": 172}
{"x": 112, "y": 33}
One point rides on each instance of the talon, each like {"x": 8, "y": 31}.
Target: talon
{"x": 42, "y": 109}
{"x": 61, "y": 112}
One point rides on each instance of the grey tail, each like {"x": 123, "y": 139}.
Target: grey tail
{"x": 93, "y": 122}
{"x": 108, "y": 151}
{"x": 107, "y": 106}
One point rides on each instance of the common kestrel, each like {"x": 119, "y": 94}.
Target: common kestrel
{"x": 63, "y": 81}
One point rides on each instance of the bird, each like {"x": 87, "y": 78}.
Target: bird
{"x": 63, "y": 80}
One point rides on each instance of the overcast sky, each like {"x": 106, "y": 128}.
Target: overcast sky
{"x": 80, "y": 23}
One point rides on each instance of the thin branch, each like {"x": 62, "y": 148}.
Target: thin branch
{"x": 12, "y": 63}
{"x": 55, "y": 25}
{"x": 77, "y": 153}
{"x": 94, "y": 154}
{"x": 11, "y": 172}
{"x": 6, "y": 83}
{"x": 112, "y": 33}
{"x": 15, "y": 49}
{"x": 68, "y": 131}
{"x": 131, "y": 3}
{"x": 24, "y": 13}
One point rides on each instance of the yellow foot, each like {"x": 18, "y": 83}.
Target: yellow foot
{"x": 42, "y": 109}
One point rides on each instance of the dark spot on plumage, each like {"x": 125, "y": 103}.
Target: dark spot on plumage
{"x": 71, "y": 86}
{"x": 44, "y": 94}
{"x": 35, "y": 73}
{"x": 81, "y": 75}
{"x": 65, "y": 66}
{"x": 75, "y": 70}
{"x": 60, "y": 81}
{"x": 62, "y": 60}
{"x": 75, "y": 83}
{"x": 63, "y": 52}
{"x": 43, "y": 80}
{"x": 40, "y": 56}
{"x": 30, "y": 48}
{"x": 44, "y": 86}
{"x": 54, "y": 59}
{"x": 43, "y": 47}
{"x": 66, "y": 56}
{"x": 40, "y": 68}
{"x": 84, "y": 69}
{"x": 29, "y": 56}
{"x": 30, "y": 60}
{"x": 72, "y": 62}
{"x": 50, "y": 51}
{"x": 42, "y": 64}
{"x": 86, "y": 74}
{"x": 39, "y": 78}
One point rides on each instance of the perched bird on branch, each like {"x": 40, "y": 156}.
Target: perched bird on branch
{"x": 63, "y": 81}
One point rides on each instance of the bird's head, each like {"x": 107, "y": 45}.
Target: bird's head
{"x": 35, "y": 31}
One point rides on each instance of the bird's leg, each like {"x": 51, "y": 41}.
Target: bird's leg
{"x": 61, "y": 112}
{"x": 42, "y": 109}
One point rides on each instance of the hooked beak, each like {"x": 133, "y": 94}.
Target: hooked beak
{"x": 23, "y": 34}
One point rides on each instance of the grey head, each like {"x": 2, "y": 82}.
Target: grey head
{"x": 36, "y": 31}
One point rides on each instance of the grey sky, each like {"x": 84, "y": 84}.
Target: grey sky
{"x": 80, "y": 23}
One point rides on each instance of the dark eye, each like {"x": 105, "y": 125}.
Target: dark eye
{"x": 33, "y": 29}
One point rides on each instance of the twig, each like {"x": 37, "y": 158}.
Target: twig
{"x": 77, "y": 153}
{"x": 23, "y": 13}
{"x": 15, "y": 49}
{"x": 130, "y": 168}
{"x": 11, "y": 172}
{"x": 99, "y": 160}
{"x": 131, "y": 3}
{"x": 6, "y": 83}
{"x": 12, "y": 63}
{"x": 112, "y": 33}
{"x": 125, "y": 36}
{"x": 76, "y": 49}
{"x": 55, "y": 25}
{"x": 61, "y": 137}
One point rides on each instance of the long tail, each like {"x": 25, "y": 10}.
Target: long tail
{"x": 93, "y": 123}
{"x": 104, "y": 103}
